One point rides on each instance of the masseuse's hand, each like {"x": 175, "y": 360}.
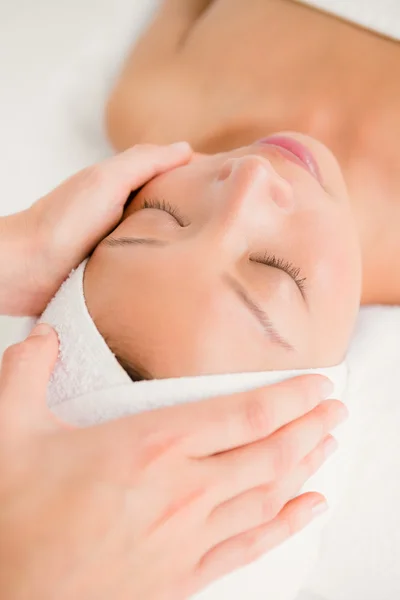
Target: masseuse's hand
{"x": 40, "y": 246}
{"x": 154, "y": 506}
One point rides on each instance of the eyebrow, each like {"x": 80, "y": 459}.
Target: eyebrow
{"x": 259, "y": 313}
{"x": 113, "y": 242}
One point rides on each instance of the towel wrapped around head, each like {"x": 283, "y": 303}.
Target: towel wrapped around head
{"x": 89, "y": 386}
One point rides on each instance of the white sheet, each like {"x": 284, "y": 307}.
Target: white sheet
{"x": 57, "y": 60}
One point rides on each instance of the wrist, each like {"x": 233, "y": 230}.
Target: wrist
{"x": 19, "y": 289}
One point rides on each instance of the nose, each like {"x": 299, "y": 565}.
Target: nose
{"x": 250, "y": 203}
{"x": 251, "y": 200}
{"x": 251, "y": 182}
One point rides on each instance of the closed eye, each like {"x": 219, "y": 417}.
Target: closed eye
{"x": 166, "y": 207}
{"x": 283, "y": 265}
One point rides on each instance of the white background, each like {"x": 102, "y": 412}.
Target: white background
{"x": 57, "y": 61}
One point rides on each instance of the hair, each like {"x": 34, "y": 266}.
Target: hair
{"x": 130, "y": 369}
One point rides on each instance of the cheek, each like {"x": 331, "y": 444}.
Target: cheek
{"x": 329, "y": 250}
{"x": 327, "y": 243}
{"x": 335, "y": 264}
{"x": 341, "y": 259}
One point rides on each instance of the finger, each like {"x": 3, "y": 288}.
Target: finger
{"x": 270, "y": 460}
{"x": 141, "y": 163}
{"x": 24, "y": 376}
{"x": 90, "y": 204}
{"x": 227, "y": 422}
{"x": 210, "y": 426}
{"x": 261, "y": 505}
{"x": 250, "y": 546}
{"x": 115, "y": 178}
{"x": 72, "y": 219}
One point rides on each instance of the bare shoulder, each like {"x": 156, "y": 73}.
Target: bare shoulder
{"x": 156, "y": 96}
{"x": 206, "y": 67}
{"x": 195, "y": 69}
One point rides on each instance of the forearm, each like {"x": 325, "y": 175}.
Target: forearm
{"x": 15, "y": 277}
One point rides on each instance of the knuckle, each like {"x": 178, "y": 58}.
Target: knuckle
{"x": 270, "y": 506}
{"x": 324, "y": 409}
{"x": 180, "y": 441}
{"x": 139, "y": 149}
{"x": 306, "y": 468}
{"x": 310, "y": 398}
{"x": 19, "y": 353}
{"x": 145, "y": 147}
{"x": 251, "y": 549}
{"x": 258, "y": 418}
{"x": 9, "y": 356}
{"x": 293, "y": 522}
{"x": 284, "y": 526}
{"x": 94, "y": 176}
{"x": 282, "y": 457}
{"x": 316, "y": 421}
{"x": 328, "y": 414}
{"x": 313, "y": 462}
{"x": 339, "y": 410}
{"x": 306, "y": 389}
{"x": 159, "y": 448}
{"x": 330, "y": 406}
{"x": 307, "y": 392}
{"x": 215, "y": 489}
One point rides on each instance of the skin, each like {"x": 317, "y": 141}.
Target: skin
{"x": 237, "y": 71}
{"x": 165, "y": 485}
{"x": 37, "y": 248}
{"x": 175, "y": 464}
{"x": 171, "y": 307}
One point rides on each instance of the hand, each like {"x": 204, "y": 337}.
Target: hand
{"x": 156, "y": 505}
{"x": 40, "y": 246}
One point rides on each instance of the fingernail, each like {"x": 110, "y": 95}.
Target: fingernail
{"x": 41, "y": 329}
{"x": 330, "y": 446}
{"x": 319, "y": 508}
{"x": 327, "y": 388}
{"x": 181, "y": 146}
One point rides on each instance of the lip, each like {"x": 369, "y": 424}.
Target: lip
{"x": 296, "y": 152}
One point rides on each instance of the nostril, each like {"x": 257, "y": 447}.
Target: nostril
{"x": 226, "y": 169}
{"x": 282, "y": 194}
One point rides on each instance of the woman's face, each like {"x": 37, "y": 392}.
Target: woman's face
{"x": 241, "y": 261}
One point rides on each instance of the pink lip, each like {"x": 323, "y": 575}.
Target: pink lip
{"x": 296, "y": 152}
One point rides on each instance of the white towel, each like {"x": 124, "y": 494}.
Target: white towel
{"x": 87, "y": 371}
{"x": 382, "y": 16}
{"x": 89, "y": 386}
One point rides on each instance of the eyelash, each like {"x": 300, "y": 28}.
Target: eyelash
{"x": 166, "y": 207}
{"x": 267, "y": 259}
{"x": 279, "y": 263}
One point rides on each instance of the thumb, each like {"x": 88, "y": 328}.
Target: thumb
{"x": 24, "y": 376}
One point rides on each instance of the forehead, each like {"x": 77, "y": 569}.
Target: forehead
{"x": 173, "y": 323}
